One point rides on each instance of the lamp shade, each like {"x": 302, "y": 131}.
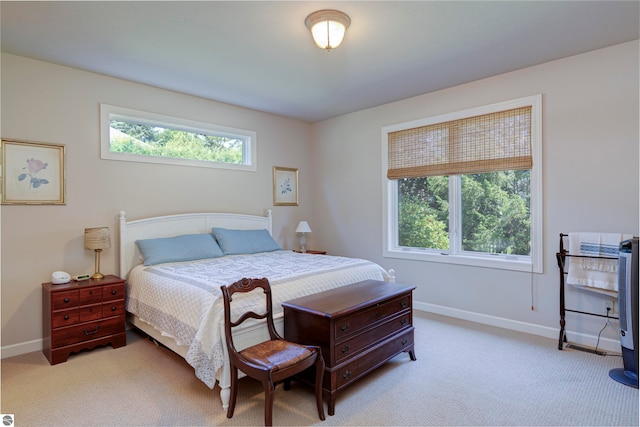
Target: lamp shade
{"x": 97, "y": 238}
{"x": 303, "y": 227}
{"x": 327, "y": 27}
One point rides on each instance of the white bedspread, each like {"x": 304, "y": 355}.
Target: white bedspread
{"x": 183, "y": 300}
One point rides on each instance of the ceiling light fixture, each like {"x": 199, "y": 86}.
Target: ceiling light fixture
{"x": 327, "y": 27}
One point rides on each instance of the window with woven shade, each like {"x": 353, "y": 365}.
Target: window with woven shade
{"x": 466, "y": 185}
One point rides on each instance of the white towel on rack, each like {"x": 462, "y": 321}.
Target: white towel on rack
{"x": 596, "y": 274}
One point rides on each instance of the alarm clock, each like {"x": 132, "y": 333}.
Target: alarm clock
{"x": 60, "y": 277}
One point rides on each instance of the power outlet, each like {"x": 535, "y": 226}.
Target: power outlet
{"x": 608, "y": 306}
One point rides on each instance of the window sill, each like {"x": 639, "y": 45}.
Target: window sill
{"x": 514, "y": 263}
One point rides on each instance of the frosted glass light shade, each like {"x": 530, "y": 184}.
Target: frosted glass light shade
{"x": 327, "y": 27}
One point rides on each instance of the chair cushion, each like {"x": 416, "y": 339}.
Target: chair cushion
{"x": 276, "y": 354}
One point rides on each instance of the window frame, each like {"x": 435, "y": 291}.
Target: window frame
{"x": 108, "y": 112}
{"x": 532, "y": 263}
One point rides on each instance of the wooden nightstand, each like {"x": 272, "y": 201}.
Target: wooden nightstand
{"x": 82, "y": 315}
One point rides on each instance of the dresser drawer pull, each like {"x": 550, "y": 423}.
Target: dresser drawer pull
{"x": 113, "y": 292}
{"x": 345, "y": 349}
{"x": 345, "y": 326}
{"x": 66, "y": 300}
{"x": 405, "y": 341}
{"x": 93, "y": 332}
{"x": 347, "y": 374}
{"x": 114, "y": 308}
{"x": 404, "y": 304}
{"x": 66, "y": 317}
{"x": 403, "y": 321}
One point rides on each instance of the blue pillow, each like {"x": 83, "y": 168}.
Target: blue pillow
{"x": 187, "y": 247}
{"x": 236, "y": 242}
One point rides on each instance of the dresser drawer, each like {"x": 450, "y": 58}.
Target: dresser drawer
{"x": 351, "y": 324}
{"x": 90, "y": 312}
{"x": 90, "y": 296}
{"x": 64, "y": 318}
{"x": 62, "y": 300}
{"x": 113, "y": 308}
{"x": 113, "y": 292}
{"x": 86, "y": 331}
{"x": 372, "y": 359}
{"x": 368, "y": 338}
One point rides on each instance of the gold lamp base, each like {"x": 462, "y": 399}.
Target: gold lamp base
{"x": 97, "y": 275}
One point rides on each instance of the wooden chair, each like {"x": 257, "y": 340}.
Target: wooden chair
{"x": 270, "y": 361}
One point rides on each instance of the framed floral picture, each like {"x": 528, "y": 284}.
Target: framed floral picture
{"x": 285, "y": 186}
{"x": 32, "y": 173}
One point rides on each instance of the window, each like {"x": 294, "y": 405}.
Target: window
{"x": 465, "y": 187}
{"x": 139, "y": 136}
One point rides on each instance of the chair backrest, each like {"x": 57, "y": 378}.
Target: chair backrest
{"x": 243, "y": 286}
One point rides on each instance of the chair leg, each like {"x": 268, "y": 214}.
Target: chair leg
{"x": 319, "y": 376}
{"x": 268, "y": 402}
{"x": 234, "y": 391}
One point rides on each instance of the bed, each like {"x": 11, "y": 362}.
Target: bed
{"x": 174, "y": 274}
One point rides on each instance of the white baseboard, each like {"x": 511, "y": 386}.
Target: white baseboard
{"x": 607, "y": 344}
{"x": 21, "y": 348}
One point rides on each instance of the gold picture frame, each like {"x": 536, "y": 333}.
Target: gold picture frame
{"x": 33, "y": 173}
{"x": 285, "y": 186}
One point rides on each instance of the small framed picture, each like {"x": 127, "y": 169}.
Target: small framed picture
{"x": 32, "y": 173}
{"x": 285, "y": 186}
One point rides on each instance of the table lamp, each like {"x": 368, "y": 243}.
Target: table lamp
{"x": 97, "y": 239}
{"x": 303, "y": 227}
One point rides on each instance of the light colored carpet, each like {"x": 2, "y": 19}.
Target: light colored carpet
{"x": 466, "y": 375}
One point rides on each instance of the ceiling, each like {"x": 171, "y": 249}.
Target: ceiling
{"x": 260, "y": 55}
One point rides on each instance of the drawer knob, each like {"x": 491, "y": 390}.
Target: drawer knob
{"x": 92, "y": 332}
{"x": 347, "y": 374}
{"x": 114, "y": 308}
{"x": 405, "y": 341}
{"x": 66, "y": 317}
{"x": 67, "y": 300}
{"x": 403, "y": 321}
{"x": 113, "y": 292}
{"x": 403, "y": 303}
{"x": 345, "y": 326}
{"x": 345, "y": 349}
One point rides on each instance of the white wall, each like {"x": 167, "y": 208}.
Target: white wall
{"x": 590, "y": 174}
{"x": 48, "y": 103}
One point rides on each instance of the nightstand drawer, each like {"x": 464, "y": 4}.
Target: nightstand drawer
{"x": 113, "y": 308}
{"x": 113, "y": 292}
{"x": 366, "y": 339}
{"x": 363, "y": 319}
{"x": 64, "y": 318}
{"x": 90, "y": 312}
{"x": 67, "y": 299}
{"x": 90, "y": 296}
{"x": 86, "y": 331}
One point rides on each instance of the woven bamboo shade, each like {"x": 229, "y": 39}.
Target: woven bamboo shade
{"x": 97, "y": 238}
{"x": 487, "y": 143}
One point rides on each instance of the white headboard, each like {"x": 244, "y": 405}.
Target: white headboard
{"x": 174, "y": 225}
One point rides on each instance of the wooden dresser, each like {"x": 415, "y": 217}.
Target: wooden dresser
{"x": 82, "y": 315}
{"x": 358, "y": 327}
